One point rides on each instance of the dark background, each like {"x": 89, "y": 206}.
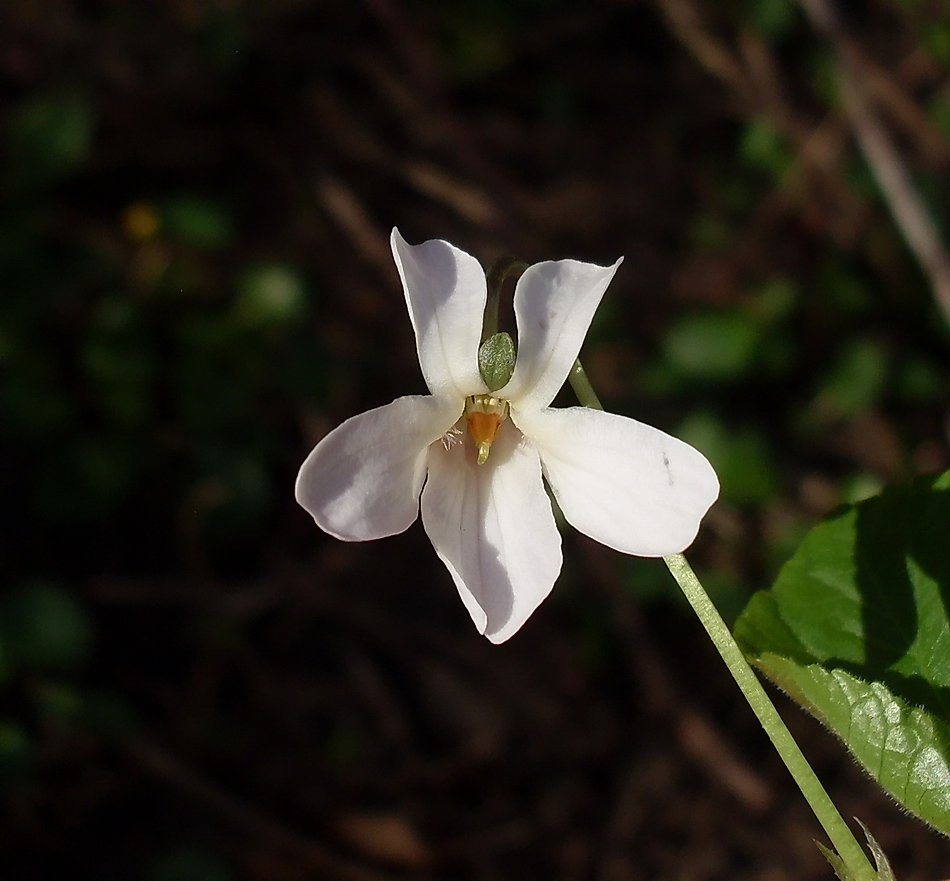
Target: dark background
{"x": 196, "y": 684}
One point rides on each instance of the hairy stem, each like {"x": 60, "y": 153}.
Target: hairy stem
{"x": 846, "y": 845}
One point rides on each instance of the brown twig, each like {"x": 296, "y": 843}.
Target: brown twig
{"x": 908, "y": 209}
{"x": 316, "y": 858}
{"x": 344, "y": 206}
{"x": 685, "y": 21}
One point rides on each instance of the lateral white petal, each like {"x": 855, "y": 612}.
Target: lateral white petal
{"x": 554, "y": 304}
{"x": 493, "y": 527}
{"x": 445, "y": 291}
{"x": 362, "y": 481}
{"x": 631, "y": 487}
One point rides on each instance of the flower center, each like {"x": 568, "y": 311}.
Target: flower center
{"x": 484, "y": 414}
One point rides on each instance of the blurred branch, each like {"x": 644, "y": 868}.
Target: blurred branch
{"x": 685, "y": 21}
{"x": 751, "y": 71}
{"x": 338, "y": 122}
{"x": 315, "y": 857}
{"x": 908, "y": 209}
{"x": 353, "y": 219}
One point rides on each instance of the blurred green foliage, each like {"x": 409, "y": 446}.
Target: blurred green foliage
{"x": 189, "y": 864}
{"x": 741, "y": 456}
{"x": 138, "y": 363}
{"x": 712, "y": 346}
{"x": 43, "y": 627}
{"x": 773, "y": 18}
{"x": 49, "y": 135}
{"x": 764, "y": 147}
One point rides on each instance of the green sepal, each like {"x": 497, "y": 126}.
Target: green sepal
{"x": 496, "y": 360}
{"x": 881, "y": 863}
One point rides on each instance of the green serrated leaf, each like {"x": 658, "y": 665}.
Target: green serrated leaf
{"x": 496, "y": 360}
{"x": 857, "y": 629}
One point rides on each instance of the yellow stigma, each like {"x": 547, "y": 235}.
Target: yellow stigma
{"x": 484, "y": 414}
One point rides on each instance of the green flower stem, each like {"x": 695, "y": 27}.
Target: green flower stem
{"x": 503, "y": 268}
{"x": 846, "y": 845}
{"x": 582, "y": 387}
{"x": 851, "y": 853}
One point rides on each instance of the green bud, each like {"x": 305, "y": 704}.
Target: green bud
{"x": 496, "y": 360}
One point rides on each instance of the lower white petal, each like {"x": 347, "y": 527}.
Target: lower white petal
{"x": 362, "y": 481}
{"x": 631, "y": 487}
{"x": 493, "y": 527}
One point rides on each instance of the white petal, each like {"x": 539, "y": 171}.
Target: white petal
{"x": 554, "y": 305}
{"x": 445, "y": 291}
{"x": 362, "y": 481}
{"x": 631, "y": 487}
{"x": 493, "y": 527}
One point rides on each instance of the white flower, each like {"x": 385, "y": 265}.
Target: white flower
{"x": 625, "y": 484}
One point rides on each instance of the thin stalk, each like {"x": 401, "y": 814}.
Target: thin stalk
{"x": 582, "y": 387}
{"x": 846, "y": 845}
{"x": 843, "y": 840}
{"x": 502, "y": 269}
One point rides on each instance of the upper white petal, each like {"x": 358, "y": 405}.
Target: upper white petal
{"x": 362, "y": 481}
{"x": 631, "y": 487}
{"x": 554, "y": 305}
{"x": 445, "y": 291}
{"x": 493, "y": 527}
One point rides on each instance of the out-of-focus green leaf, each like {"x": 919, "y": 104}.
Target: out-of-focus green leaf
{"x": 306, "y": 371}
{"x": 920, "y": 381}
{"x": 31, "y": 403}
{"x": 841, "y": 288}
{"x": 939, "y": 109}
{"x": 646, "y": 580}
{"x": 709, "y": 232}
{"x": 763, "y": 146}
{"x": 88, "y": 476}
{"x": 238, "y": 490}
{"x": 741, "y": 457}
{"x": 775, "y": 300}
{"x": 49, "y": 136}
{"x": 16, "y": 752}
{"x": 857, "y": 629}
{"x": 937, "y": 37}
{"x": 476, "y": 42}
{"x": 107, "y": 714}
{"x": 44, "y": 627}
{"x": 190, "y": 864}
{"x": 118, "y": 359}
{"x": 197, "y": 221}
{"x": 223, "y": 37}
{"x": 270, "y": 294}
{"x": 712, "y": 345}
{"x": 772, "y": 17}
{"x": 60, "y": 704}
{"x": 856, "y": 381}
